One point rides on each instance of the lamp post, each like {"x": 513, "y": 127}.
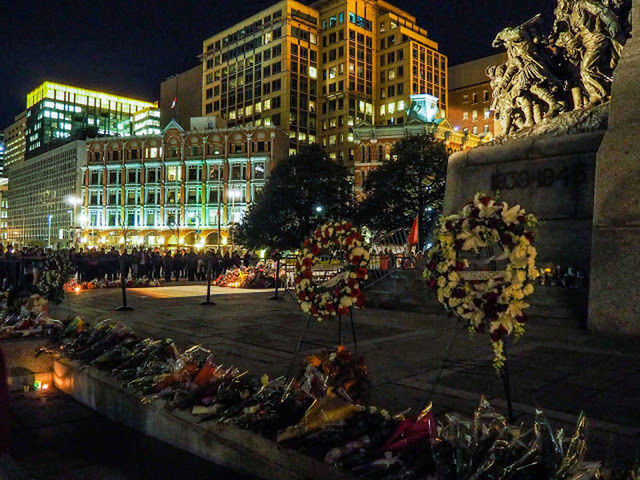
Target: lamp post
{"x": 49, "y": 230}
{"x": 73, "y": 201}
{"x": 233, "y": 194}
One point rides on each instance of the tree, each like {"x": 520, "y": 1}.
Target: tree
{"x": 302, "y": 193}
{"x": 411, "y": 184}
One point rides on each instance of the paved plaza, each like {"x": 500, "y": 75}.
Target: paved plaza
{"x": 555, "y": 366}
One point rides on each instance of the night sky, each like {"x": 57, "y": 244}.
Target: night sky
{"x": 129, "y": 47}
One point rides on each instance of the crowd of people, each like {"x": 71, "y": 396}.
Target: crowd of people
{"x": 153, "y": 263}
{"x": 24, "y": 264}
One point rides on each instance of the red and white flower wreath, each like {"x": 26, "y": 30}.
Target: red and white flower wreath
{"x": 336, "y": 297}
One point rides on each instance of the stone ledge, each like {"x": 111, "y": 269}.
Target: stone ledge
{"x": 224, "y": 444}
{"x": 533, "y": 148}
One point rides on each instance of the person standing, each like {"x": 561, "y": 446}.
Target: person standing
{"x": 191, "y": 261}
{"x": 167, "y": 265}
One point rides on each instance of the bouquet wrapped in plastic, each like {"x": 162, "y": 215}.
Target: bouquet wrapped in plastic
{"x": 487, "y": 447}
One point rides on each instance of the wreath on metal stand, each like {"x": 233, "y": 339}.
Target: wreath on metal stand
{"x": 492, "y": 296}
{"x": 338, "y": 296}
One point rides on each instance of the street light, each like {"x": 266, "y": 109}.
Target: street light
{"x": 233, "y": 194}
{"x": 74, "y": 201}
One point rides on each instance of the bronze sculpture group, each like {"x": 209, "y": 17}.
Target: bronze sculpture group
{"x": 570, "y": 69}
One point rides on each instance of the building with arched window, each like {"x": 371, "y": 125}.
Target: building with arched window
{"x": 176, "y": 188}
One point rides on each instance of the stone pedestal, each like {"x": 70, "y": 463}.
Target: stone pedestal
{"x": 551, "y": 176}
{"x": 614, "y": 298}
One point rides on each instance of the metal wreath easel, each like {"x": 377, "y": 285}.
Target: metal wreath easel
{"x": 504, "y": 371}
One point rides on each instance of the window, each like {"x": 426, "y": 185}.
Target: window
{"x": 487, "y": 113}
{"x": 465, "y": 115}
{"x": 193, "y": 173}
{"x": 113, "y": 197}
{"x": 153, "y": 174}
{"x": 172, "y": 195}
{"x": 474, "y": 115}
{"x": 485, "y": 96}
{"x": 173, "y": 173}
{"x": 151, "y": 218}
{"x": 475, "y": 130}
{"x": 153, "y": 196}
{"x": 133, "y": 196}
{"x": 96, "y": 177}
{"x": 475, "y": 98}
{"x": 113, "y": 218}
{"x": 133, "y": 175}
{"x": 192, "y": 195}
{"x": 465, "y": 98}
{"x": 238, "y": 171}
{"x": 213, "y": 194}
{"x": 95, "y": 197}
{"x": 258, "y": 171}
{"x": 215, "y": 172}
{"x": 114, "y": 176}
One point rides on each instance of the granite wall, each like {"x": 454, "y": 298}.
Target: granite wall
{"x": 550, "y": 176}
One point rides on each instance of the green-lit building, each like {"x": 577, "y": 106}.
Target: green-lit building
{"x": 58, "y": 113}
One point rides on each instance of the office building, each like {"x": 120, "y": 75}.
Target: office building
{"x": 178, "y": 188}
{"x": 318, "y": 71}
{"x": 181, "y": 97}
{"x": 14, "y": 139}
{"x": 57, "y": 113}
{"x": 2, "y": 152}
{"x": 4, "y": 209}
{"x": 44, "y": 196}
{"x": 470, "y": 97}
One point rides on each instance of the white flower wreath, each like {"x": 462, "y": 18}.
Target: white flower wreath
{"x": 493, "y": 301}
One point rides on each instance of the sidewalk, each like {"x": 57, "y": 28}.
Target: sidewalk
{"x": 56, "y": 438}
{"x": 554, "y": 366}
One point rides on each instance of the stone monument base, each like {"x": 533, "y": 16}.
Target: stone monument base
{"x": 549, "y": 176}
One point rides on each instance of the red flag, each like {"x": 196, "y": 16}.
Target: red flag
{"x": 413, "y": 235}
{"x": 175, "y": 101}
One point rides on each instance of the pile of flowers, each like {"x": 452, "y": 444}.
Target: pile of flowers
{"x": 496, "y": 301}
{"x": 343, "y": 292}
{"x": 338, "y": 369}
{"x": 260, "y": 276}
{"x": 323, "y": 422}
{"x": 73, "y": 285}
{"x": 32, "y": 318}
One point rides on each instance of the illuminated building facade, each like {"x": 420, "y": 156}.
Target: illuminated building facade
{"x": 264, "y": 71}
{"x": 42, "y": 187}
{"x": 57, "y": 113}
{"x": 3, "y": 149}
{"x": 373, "y": 143}
{"x": 470, "y": 97}
{"x": 14, "y": 140}
{"x": 318, "y": 71}
{"x": 179, "y": 187}
{"x": 4, "y": 209}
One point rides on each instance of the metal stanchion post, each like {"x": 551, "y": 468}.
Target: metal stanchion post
{"x": 124, "y": 307}
{"x": 208, "y": 300}
{"x": 276, "y": 297}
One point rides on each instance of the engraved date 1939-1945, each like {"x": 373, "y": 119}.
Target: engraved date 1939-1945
{"x": 539, "y": 178}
